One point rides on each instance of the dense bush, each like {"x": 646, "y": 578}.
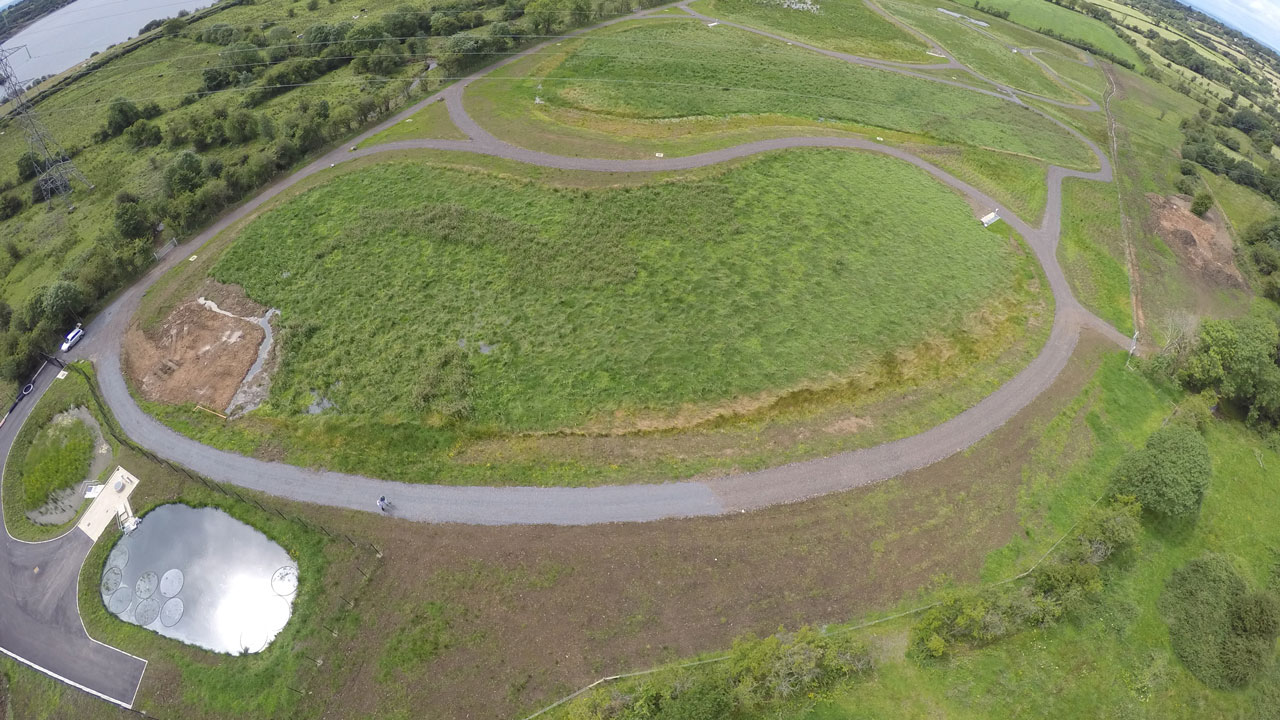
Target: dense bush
{"x": 1222, "y": 632}
{"x": 1201, "y": 204}
{"x": 10, "y": 205}
{"x": 1168, "y": 476}
{"x": 1236, "y": 360}
{"x": 759, "y": 673}
{"x": 1063, "y": 585}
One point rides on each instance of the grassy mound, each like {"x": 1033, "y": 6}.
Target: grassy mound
{"x": 416, "y": 289}
{"x": 984, "y": 52}
{"x": 680, "y": 69}
{"x": 58, "y": 458}
{"x": 826, "y": 25}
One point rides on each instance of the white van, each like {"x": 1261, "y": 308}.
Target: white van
{"x": 73, "y": 337}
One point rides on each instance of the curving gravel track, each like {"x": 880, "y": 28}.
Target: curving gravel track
{"x": 505, "y": 505}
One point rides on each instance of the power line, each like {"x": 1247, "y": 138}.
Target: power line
{"x": 544, "y": 79}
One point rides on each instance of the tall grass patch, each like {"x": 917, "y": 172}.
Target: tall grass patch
{"x": 680, "y": 69}
{"x": 981, "y": 51}
{"x": 459, "y": 296}
{"x": 825, "y": 24}
{"x": 58, "y": 458}
{"x": 1092, "y": 251}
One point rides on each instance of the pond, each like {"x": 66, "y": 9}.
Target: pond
{"x": 200, "y": 576}
{"x": 70, "y": 34}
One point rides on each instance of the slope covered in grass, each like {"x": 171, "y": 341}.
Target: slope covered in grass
{"x": 826, "y": 25}
{"x": 981, "y": 50}
{"x": 1092, "y": 251}
{"x": 422, "y": 289}
{"x": 660, "y": 70}
{"x": 1041, "y": 15}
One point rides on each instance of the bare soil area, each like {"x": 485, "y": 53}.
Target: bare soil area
{"x": 196, "y": 355}
{"x": 1203, "y": 245}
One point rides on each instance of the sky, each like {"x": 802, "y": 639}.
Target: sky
{"x": 1259, "y": 19}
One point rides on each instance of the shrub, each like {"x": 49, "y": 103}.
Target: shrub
{"x": 10, "y": 205}
{"x": 1222, "y": 632}
{"x": 28, "y": 166}
{"x": 759, "y": 674}
{"x": 1201, "y": 204}
{"x": 784, "y": 665}
{"x": 1266, "y": 257}
{"x": 1169, "y": 476}
{"x": 1256, "y": 615}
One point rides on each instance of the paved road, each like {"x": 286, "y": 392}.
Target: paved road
{"x": 39, "y": 611}
{"x": 497, "y": 505}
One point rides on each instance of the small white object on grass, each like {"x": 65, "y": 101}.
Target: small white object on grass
{"x": 879, "y": 139}
{"x": 330, "y": 164}
{"x": 658, "y": 154}
{"x": 408, "y": 119}
{"x": 712, "y": 24}
{"x": 192, "y": 258}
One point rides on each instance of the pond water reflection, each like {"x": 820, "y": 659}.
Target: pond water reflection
{"x": 200, "y": 576}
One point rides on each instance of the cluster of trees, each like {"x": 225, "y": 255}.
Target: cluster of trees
{"x": 171, "y": 26}
{"x": 1200, "y": 145}
{"x": 1262, "y": 240}
{"x": 1061, "y": 586}
{"x": 1181, "y": 52}
{"x": 1233, "y": 360}
{"x": 124, "y": 115}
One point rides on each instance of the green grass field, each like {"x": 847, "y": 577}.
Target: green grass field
{"x": 680, "y": 69}
{"x": 827, "y": 27}
{"x": 1242, "y": 206}
{"x": 57, "y": 459}
{"x": 1088, "y": 80}
{"x": 432, "y": 122}
{"x": 1037, "y": 14}
{"x": 1016, "y": 181}
{"x": 1092, "y": 251}
{"x": 1118, "y": 654}
{"x": 605, "y": 302}
{"x": 978, "y": 49}
{"x": 676, "y": 308}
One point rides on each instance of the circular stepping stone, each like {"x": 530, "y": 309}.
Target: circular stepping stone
{"x": 171, "y": 613}
{"x": 171, "y": 582}
{"x": 146, "y": 586}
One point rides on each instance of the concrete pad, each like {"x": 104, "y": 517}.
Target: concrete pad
{"x": 108, "y": 504}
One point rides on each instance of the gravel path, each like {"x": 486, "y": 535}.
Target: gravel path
{"x": 499, "y": 505}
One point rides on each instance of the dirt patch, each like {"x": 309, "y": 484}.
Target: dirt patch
{"x": 195, "y": 355}
{"x": 1203, "y": 245}
{"x": 230, "y": 298}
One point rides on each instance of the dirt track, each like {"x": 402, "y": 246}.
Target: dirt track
{"x": 486, "y": 505}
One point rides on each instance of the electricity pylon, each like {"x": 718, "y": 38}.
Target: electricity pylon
{"x": 54, "y": 170}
